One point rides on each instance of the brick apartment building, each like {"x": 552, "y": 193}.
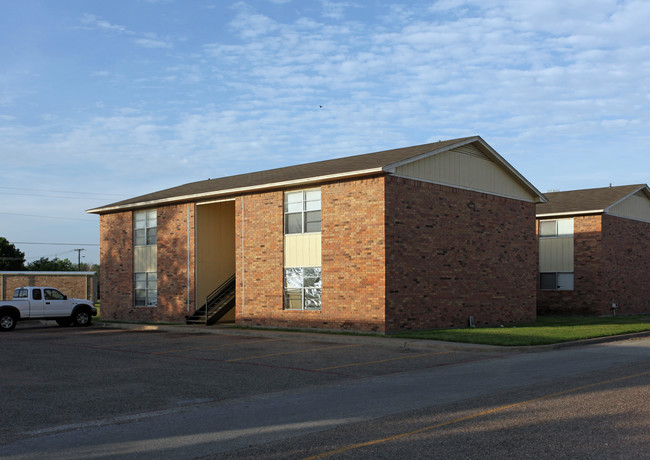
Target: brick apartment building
{"x": 594, "y": 251}
{"x": 406, "y": 239}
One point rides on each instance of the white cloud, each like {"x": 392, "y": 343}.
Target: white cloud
{"x": 249, "y": 25}
{"x": 516, "y": 74}
{"x": 334, "y": 9}
{"x": 152, "y": 43}
{"x": 145, "y": 40}
{"x": 91, "y": 21}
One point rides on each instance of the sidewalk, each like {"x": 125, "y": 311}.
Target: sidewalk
{"x": 384, "y": 341}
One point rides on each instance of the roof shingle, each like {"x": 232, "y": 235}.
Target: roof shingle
{"x": 335, "y": 166}
{"x": 320, "y": 171}
{"x": 581, "y": 201}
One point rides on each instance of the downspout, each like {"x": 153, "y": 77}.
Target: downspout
{"x": 243, "y": 260}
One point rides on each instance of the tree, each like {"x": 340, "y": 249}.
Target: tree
{"x": 55, "y": 265}
{"x": 11, "y": 258}
{"x": 86, "y": 267}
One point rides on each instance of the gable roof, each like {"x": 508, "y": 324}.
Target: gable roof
{"x": 587, "y": 201}
{"x": 377, "y": 163}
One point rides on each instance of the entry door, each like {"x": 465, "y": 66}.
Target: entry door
{"x": 55, "y": 303}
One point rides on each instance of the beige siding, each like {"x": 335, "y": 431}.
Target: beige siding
{"x": 302, "y": 250}
{"x": 635, "y": 207}
{"x": 467, "y": 167}
{"x": 145, "y": 259}
{"x": 556, "y": 254}
{"x": 215, "y": 247}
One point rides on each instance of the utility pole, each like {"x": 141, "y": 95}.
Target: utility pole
{"x": 79, "y": 257}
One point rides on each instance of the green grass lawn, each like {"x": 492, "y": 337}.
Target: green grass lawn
{"x": 546, "y": 330}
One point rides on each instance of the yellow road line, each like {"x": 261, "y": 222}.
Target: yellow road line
{"x": 383, "y": 360}
{"x": 292, "y": 352}
{"x": 214, "y": 346}
{"x": 469, "y": 417}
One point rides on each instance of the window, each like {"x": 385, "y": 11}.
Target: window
{"x": 53, "y": 294}
{"x": 560, "y": 228}
{"x": 36, "y": 294}
{"x": 302, "y": 212}
{"x": 145, "y": 240}
{"x": 146, "y": 289}
{"x": 21, "y": 293}
{"x": 302, "y": 288}
{"x": 556, "y": 254}
{"x": 556, "y": 281}
{"x": 145, "y": 228}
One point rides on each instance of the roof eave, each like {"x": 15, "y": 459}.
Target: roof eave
{"x": 233, "y": 191}
{"x": 571, "y": 213}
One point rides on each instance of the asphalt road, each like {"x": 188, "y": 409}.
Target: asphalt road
{"x": 176, "y": 393}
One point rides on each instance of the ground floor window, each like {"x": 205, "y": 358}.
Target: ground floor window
{"x": 556, "y": 281}
{"x": 302, "y": 288}
{"x": 146, "y": 289}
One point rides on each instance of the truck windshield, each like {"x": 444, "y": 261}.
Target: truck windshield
{"x": 20, "y": 293}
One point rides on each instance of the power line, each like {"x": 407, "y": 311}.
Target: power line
{"x": 48, "y": 256}
{"x": 47, "y": 217}
{"x": 58, "y": 244}
{"x": 31, "y": 189}
{"x": 51, "y": 196}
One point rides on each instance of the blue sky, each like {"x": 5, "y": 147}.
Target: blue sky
{"x": 105, "y": 100}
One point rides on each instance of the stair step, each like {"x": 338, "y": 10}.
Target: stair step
{"x": 219, "y": 302}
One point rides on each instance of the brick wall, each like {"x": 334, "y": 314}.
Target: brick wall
{"x": 353, "y": 255}
{"x": 116, "y": 274}
{"x": 80, "y": 285}
{"x": 260, "y": 269}
{"x": 625, "y": 265}
{"x": 176, "y": 262}
{"x": 176, "y": 256}
{"x": 451, "y": 254}
{"x": 352, "y": 237}
{"x": 612, "y": 260}
{"x": 587, "y": 295}
{"x": 455, "y": 253}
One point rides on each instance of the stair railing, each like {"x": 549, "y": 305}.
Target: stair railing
{"x": 216, "y": 295}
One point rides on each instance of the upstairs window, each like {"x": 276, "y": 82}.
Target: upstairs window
{"x": 145, "y": 228}
{"x": 559, "y": 228}
{"x": 302, "y": 212}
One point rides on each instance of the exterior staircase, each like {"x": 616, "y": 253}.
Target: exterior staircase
{"x": 217, "y": 304}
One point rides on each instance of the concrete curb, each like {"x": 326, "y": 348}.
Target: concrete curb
{"x": 391, "y": 342}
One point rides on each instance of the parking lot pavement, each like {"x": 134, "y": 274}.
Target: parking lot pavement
{"x": 53, "y": 377}
{"x": 186, "y": 393}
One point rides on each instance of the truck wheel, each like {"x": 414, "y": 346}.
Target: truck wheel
{"x": 7, "y": 321}
{"x": 64, "y": 322}
{"x": 82, "y": 317}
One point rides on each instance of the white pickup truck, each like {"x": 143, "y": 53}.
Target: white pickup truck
{"x": 44, "y": 303}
